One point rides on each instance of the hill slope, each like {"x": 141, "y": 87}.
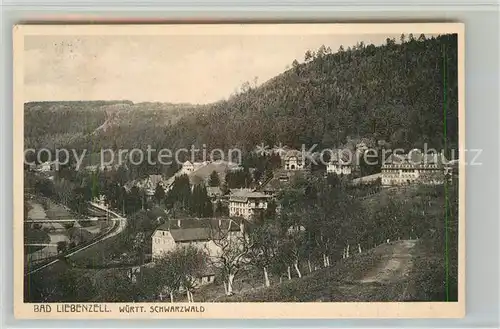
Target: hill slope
{"x": 402, "y": 93}
{"x": 98, "y": 124}
{"x": 386, "y": 273}
{"x": 394, "y": 92}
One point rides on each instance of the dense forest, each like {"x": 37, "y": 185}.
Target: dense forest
{"x": 395, "y": 92}
{"x": 404, "y": 92}
{"x": 93, "y": 125}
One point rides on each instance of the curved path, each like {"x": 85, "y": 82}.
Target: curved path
{"x": 121, "y": 225}
{"x": 394, "y": 266}
{"x": 378, "y": 276}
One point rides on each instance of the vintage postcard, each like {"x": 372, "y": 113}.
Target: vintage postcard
{"x": 239, "y": 171}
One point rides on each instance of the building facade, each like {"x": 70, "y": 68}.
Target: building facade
{"x": 246, "y": 203}
{"x": 199, "y": 233}
{"x": 413, "y": 167}
{"x": 294, "y": 160}
{"x": 187, "y": 167}
{"x": 203, "y": 234}
{"x": 338, "y": 168}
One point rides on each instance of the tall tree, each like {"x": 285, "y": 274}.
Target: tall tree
{"x": 159, "y": 193}
{"x": 214, "y": 180}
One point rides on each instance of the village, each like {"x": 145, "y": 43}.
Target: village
{"x": 328, "y": 174}
{"x": 234, "y": 211}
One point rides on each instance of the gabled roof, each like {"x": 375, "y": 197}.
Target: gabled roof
{"x": 415, "y": 158}
{"x": 292, "y": 153}
{"x": 199, "y": 229}
{"x": 188, "y": 223}
{"x": 281, "y": 179}
{"x": 244, "y": 194}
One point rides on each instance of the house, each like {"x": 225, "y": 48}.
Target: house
{"x": 341, "y": 163}
{"x": 200, "y": 233}
{"x": 339, "y": 168}
{"x": 281, "y": 179}
{"x": 294, "y": 160}
{"x": 413, "y": 167}
{"x": 196, "y": 232}
{"x": 246, "y": 203}
{"x": 187, "y": 167}
{"x": 46, "y": 166}
{"x": 95, "y": 168}
{"x": 214, "y": 193}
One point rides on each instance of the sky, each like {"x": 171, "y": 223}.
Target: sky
{"x": 167, "y": 68}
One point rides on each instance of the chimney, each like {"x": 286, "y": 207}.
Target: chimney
{"x": 220, "y": 223}
{"x": 179, "y": 223}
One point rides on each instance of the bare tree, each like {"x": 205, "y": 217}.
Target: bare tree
{"x": 231, "y": 253}
{"x": 179, "y": 269}
{"x": 265, "y": 243}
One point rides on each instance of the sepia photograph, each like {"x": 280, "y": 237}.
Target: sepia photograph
{"x": 291, "y": 170}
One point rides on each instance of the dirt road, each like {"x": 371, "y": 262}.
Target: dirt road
{"x": 395, "y": 266}
{"x": 378, "y": 275}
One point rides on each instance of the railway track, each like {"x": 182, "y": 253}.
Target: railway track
{"x": 119, "y": 224}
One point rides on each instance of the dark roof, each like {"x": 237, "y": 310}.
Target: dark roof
{"x": 196, "y": 223}
{"x": 416, "y": 158}
{"x": 191, "y": 234}
{"x": 203, "y": 173}
{"x": 244, "y": 195}
{"x": 281, "y": 179}
{"x": 212, "y": 230}
{"x": 293, "y": 153}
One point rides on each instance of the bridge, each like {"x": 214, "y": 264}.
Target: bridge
{"x": 40, "y": 244}
{"x": 64, "y": 220}
{"x": 119, "y": 224}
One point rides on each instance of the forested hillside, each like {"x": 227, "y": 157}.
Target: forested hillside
{"x": 397, "y": 92}
{"x": 98, "y": 124}
{"x": 401, "y": 92}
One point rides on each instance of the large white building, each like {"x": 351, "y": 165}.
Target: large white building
{"x": 204, "y": 234}
{"x": 399, "y": 169}
{"x": 246, "y": 203}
